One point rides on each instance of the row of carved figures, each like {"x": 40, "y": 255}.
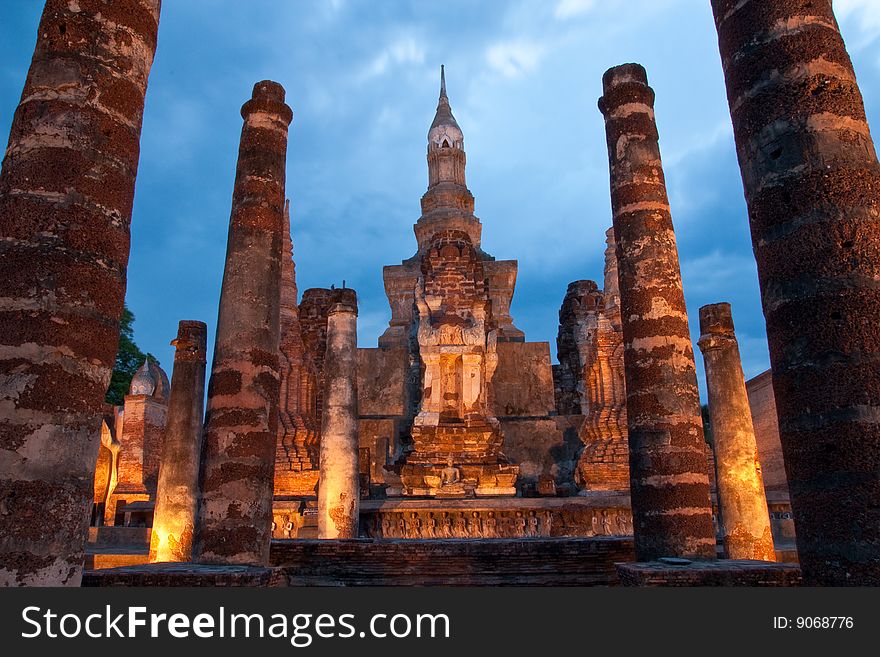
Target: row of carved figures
{"x": 475, "y": 524}
{"x": 489, "y": 524}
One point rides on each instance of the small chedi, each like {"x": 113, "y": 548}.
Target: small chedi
{"x": 589, "y": 377}
{"x": 131, "y": 448}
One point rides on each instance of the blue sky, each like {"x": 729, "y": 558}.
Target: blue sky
{"x": 362, "y": 78}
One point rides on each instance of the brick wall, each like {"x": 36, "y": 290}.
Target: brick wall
{"x": 566, "y": 562}
{"x": 763, "y": 405}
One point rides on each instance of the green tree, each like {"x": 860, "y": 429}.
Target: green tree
{"x": 129, "y": 358}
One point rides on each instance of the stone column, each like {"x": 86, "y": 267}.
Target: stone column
{"x": 338, "y": 487}
{"x": 812, "y": 183}
{"x": 66, "y": 192}
{"x": 177, "y": 495}
{"x": 744, "y": 515}
{"x": 235, "y": 516}
{"x": 669, "y": 483}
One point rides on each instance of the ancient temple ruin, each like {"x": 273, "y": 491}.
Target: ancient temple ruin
{"x": 463, "y": 428}
{"x": 458, "y": 419}
{"x": 454, "y": 426}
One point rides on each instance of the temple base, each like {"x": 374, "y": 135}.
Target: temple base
{"x": 456, "y": 460}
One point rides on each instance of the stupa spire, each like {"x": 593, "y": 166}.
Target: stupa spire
{"x": 444, "y": 122}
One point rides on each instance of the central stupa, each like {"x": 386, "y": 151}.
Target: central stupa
{"x": 451, "y": 306}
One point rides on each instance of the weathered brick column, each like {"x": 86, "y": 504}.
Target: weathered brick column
{"x": 812, "y": 183}
{"x": 669, "y": 482}
{"x": 66, "y": 192}
{"x": 235, "y": 516}
{"x": 744, "y": 515}
{"x": 177, "y": 494}
{"x": 338, "y": 486}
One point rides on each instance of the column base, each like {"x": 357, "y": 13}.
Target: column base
{"x": 683, "y": 572}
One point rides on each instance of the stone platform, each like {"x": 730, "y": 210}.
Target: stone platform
{"x": 366, "y": 562}
{"x": 598, "y": 561}
{"x": 486, "y": 562}
{"x": 710, "y": 573}
{"x": 185, "y": 574}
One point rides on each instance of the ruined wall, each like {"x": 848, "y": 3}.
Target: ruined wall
{"x": 589, "y": 379}
{"x": 383, "y": 386}
{"x": 543, "y": 448}
{"x": 522, "y": 384}
{"x": 387, "y": 391}
{"x": 578, "y": 319}
{"x": 763, "y": 406}
{"x": 580, "y": 562}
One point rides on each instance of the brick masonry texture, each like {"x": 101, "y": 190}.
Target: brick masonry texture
{"x": 241, "y": 427}
{"x": 812, "y": 184}
{"x": 668, "y": 475}
{"x": 296, "y": 461}
{"x": 186, "y": 575}
{"x": 499, "y": 562}
{"x": 339, "y": 485}
{"x": 66, "y": 193}
{"x": 745, "y": 520}
{"x": 720, "y": 573}
{"x": 177, "y": 493}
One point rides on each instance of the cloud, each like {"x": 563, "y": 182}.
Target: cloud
{"x": 864, "y": 13}
{"x": 183, "y": 129}
{"x": 699, "y": 143}
{"x": 402, "y": 51}
{"x": 513, "y": 58}
{"x": 717, "y": 271}
{"x": 362, "y": 80}
{"x": 570, "y": 8}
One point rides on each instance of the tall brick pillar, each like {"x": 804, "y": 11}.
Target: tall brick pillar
{"x": 338, "y": 486}
{"x": 177, "y": 494}
{"x": 66, "y": 192}
{"x": 812, "y": 183}
{"x": 669, "y": 483}
{"x": 235, "y": 516}
{"x": 744, "y": 515}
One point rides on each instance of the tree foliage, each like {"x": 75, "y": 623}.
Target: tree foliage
{"x": 707, "y": 424}
{"x": 129, "y": 358}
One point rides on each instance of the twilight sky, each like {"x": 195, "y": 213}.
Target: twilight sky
{"x": 362, "y": 78}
